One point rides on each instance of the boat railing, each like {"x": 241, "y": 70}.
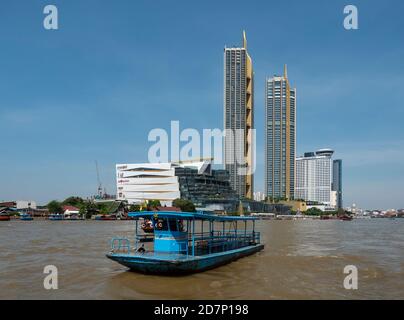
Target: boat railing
{"x": 200, "y": 243}
{"x": 205, "y": 235}
{"x": 121, "y": 245}
{"x": 230, "y": 235}
{"x": 219, "y": 242}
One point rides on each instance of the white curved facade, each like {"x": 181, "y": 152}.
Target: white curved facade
{"x": 151, "y": 181}
{"x": 147, "y": 181}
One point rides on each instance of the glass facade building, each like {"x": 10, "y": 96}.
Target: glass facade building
{"x": 212, "y": 190}
{"x": 280, "y": 137}
{"x": 198, "y": 187}
{"x": 337, "y": 181}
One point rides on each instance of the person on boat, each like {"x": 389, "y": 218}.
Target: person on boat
{"x": 141, "y": 249}
{"x": 181, "y": 226}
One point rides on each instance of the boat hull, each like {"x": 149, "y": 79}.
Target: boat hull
{"x": 151, "y": 265}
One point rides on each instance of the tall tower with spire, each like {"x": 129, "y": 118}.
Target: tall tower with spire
{"x": 280, "y": 137}
{"x": 239, "y": 118}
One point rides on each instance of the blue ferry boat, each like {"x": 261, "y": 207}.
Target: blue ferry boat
{"x": 56, "y": 217}
{"x": 26, "y": 217}
{"x": 185, "y": 242}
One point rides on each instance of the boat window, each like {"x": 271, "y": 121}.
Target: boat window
{"x": 173, "y": 224}
{"x": 176, "y": 225}
{"x": 170, "y": 224}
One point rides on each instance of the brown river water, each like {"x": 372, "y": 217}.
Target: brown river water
{"x": 301, "y": 260}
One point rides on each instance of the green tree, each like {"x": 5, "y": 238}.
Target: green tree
{"x": 103, "y": 208}
{"x": 153, "y": 204}
{"x": 73, "y": 201}
{"x": 87, "y": 209}
{"x": 314, "y": 212}
{"x": 54, "y": 207}
{"x": 134, "y": 208}
{"x": 184, "y": 205}
{"x": 277, "y": 199}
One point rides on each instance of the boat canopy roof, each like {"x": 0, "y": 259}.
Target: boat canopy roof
{"x": 187, "y": 216}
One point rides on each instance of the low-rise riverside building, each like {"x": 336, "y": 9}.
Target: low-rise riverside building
{"x": 196, "y": 181}
{"x": 70, "y": 211}
{"x": 19, "y": 204}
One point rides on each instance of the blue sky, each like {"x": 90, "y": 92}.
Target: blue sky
{"x": 114, "y": 70}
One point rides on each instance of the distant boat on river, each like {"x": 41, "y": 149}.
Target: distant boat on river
{"x": 105, "y": 217}
{"x": 4, "y": 217}
{"x": 26, "y": 217}
{"x": 56, "y": 217}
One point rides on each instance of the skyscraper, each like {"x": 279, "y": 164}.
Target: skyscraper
{"x": 314, "y": 177}
{"x": 337, "y": 181}
{"x": 280, "y": 137}
{"x": 239, "y": 118}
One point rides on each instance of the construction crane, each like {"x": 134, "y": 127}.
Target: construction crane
{"x": 99, "y": 190}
